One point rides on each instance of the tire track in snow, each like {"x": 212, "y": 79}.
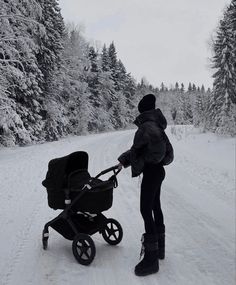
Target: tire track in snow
{"x": 196, "y": 228}
{"x": 195, "y": 240}
{"x": 219, "y": 182}
{"x": 23, "y": 238}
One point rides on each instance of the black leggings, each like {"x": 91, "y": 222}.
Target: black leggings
{"x": 150, "y": 204}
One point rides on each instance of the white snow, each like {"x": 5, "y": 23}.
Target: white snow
{"x": 198, "y": 199}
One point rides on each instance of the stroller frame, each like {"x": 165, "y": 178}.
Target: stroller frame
{"x": 81, "y": 225}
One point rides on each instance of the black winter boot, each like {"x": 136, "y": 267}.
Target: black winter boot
{"x": 161, "y": 245}
{"x": 150, "y": 262}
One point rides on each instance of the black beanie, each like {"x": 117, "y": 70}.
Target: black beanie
{"x": 147, "y": 103}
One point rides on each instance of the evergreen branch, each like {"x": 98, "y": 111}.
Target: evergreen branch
{"x": 13, "y": 61}
{"x": 22, "y": 18}
{"x": 12, "y": 39}
{"x": 3, "y": 89}
{"x": 32, "y": 1}
{"x": 4, "y": 108}
{"x": 37, "y": 4}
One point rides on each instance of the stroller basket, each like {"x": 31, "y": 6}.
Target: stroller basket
{"x": 67, "y": 177}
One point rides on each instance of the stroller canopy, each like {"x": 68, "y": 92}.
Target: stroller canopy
{"x": 60, "y": 168}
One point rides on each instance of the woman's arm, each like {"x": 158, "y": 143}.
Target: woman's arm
{"x": 139, "y": 143}
{"x": 124, "y": 158}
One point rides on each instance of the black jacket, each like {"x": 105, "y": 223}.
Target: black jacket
{"x": 149, "y": 145}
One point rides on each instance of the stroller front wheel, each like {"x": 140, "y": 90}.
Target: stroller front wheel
{"x": 45, "y": 236}
{"x": 83, "y": 249}
{"x": 113, "y": 232}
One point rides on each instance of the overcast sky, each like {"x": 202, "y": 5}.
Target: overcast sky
{"x": 162, "y": 40}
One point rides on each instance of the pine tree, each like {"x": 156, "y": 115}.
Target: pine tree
{"x": 121, "y": 75}
{"x": 203, "y": 89}
{"x": 198, "y": 108}
{"x": 176, "y": 86}
{"x": 93, "y": 75}
{"x": 105, "y": 112}
{"x": 105, "y": 59}
{"x": 224, "y": 61}
{"x": 124, "y": 96}
{"x": 120, "y": 80}
{"x": 112, "y": 56}
{"x": 51, "y": 46}
{"x": 49, "y": 59}
{"x": 131, "y": 98}
{"x": 96, "y": 97}
{"x": 19, "y": 33}
{"x": 73, "y": 82}
{"x": 187, "y": 100}
{"x": 163, "y": 88}
{"x": 190, "y": 88}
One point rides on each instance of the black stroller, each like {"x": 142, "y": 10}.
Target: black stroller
{"x": 82, "y": 199}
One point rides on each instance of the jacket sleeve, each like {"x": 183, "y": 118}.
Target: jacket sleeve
{"x": 124, "y": 158}
{"x": 139, "y": 143}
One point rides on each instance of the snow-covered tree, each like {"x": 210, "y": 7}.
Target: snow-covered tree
{"x": 19, "y": 28}
{"x": 52, "y": 82}
{"x": 199, "y": 111}
{"x": 51, "y": 45}
{"x": 105, "y": 59}
{"x": 112, "y": 54}
{"x": 93, "y": 78}
{"x": 222, "y": 108}
{"x": 49, "y": 58}
{"x": 131, "y": 98}
{"x": 74, "y": 93}
{"x": 182, "y": 89}
{"x": 190, "y": 88}
{"x": 176, "y": 86}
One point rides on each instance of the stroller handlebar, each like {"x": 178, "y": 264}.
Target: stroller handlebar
{"x": 113, "y": 168}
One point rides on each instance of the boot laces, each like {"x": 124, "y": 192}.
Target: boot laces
{"x": 142, "y": 248}
{"x": 141, "y": 252}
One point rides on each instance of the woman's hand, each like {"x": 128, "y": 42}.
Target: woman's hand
{"x": 119, "y": 166}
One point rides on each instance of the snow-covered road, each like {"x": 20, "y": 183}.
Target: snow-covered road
{"x": 198, "y": 201}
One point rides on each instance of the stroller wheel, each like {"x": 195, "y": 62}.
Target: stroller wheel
{"x": 83, "y": 249}
{"x": 45, "y": 237}
{"x": 112, "y": 233}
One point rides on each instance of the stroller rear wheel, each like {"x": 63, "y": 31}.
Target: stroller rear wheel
{"x": 83, "y": 249}
{"x": 112, "y": 233}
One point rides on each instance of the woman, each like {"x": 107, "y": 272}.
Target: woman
{"x": 151, "y": 150}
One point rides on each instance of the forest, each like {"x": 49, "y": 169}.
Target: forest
{"x": 54, "y": 83}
